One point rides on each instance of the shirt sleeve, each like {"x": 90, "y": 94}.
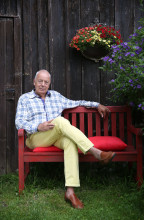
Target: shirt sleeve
{"x": 22, "y": 118}
{"x": 67, "y": 103}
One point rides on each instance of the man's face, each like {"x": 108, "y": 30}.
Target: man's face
{"x": 42, "y": 83}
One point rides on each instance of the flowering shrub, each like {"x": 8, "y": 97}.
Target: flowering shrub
{"x": 98, "y": 34}
{"x": 127, "y": 62}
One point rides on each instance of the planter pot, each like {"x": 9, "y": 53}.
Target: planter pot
{"x": 95, "y": 53}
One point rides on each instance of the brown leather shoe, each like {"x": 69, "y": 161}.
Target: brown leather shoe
{"x": 74, "y": 201}
{"x": 107, "y": 157}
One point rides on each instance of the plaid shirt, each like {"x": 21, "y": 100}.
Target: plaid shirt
{"x": 32, "y": 110}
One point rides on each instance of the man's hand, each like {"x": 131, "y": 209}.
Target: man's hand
{"x": 45, "y": 126}
{"x": 103, "y": 110}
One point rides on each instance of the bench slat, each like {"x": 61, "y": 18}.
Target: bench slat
{"x": 82, "y": 122}
{"x": 106, "y": 126}
{"x": 113, "y": 123}
{"x": 98, "y": 125}
{"x": 74, "y": 119}
{"x": 90, "y": 125}
{"x": 121, "y": 126}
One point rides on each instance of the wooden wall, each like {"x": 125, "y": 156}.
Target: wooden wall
{"x": 47, "y": 27}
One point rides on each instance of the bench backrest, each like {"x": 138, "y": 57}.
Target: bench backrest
{"x": 89, "y": 121}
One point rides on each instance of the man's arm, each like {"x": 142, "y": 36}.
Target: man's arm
{"x": 22, "y": 118}
{"x": 103, "y": 110}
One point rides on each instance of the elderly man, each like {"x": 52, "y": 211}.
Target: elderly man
{"x": 39, "y": 114}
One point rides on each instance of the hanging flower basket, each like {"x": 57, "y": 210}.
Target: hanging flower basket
{"x": 95, "y": 53}
{"x": 95, "y": 42}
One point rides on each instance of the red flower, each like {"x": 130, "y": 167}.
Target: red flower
{"x": 85, "y": 37}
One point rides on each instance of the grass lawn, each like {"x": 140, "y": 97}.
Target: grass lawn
{"x": 108, "y": 192}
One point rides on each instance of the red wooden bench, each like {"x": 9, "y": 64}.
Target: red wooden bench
{"x": 88, "y": 120}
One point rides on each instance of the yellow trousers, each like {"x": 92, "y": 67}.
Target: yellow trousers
{"x": 68, "y": 138}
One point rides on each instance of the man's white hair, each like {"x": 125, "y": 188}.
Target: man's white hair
{"x": 40, "y": 71}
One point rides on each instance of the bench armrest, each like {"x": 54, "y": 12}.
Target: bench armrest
{"x": 21, "y": 140}
{"x": 20, "y": 132}
{"x": 134, "y": 130}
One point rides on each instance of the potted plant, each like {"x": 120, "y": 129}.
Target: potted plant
{"x": 95, "y": 42}
{"x": 127, "y": 64}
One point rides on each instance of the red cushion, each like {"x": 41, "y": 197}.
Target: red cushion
{"x": 107, "y": 143}
{"x": 104, "y": 143}
{"x": 44, "y": 149}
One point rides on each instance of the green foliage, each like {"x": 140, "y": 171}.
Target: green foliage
{"x": 127, "y": 63}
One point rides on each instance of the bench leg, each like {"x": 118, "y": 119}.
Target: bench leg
{"x": 139, "y": 173}
{"x": 21, "y": 177}
{"x": 27, "y": 169}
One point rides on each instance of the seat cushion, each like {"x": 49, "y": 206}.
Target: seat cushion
{"x": 108, "y": 143}
{"x": 105, "y": 143}
{"x": 46, "y": 149}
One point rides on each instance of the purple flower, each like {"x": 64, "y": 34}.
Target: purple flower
{"x": 105, "y": 58}
{"x": 114, "y": 46}
{"x": 132, "y": 55}
{"x": 139, "y": 50}
{"x": 143, "y": 108}
{"x": 127, "y": 54}
{"x": 122, "y": 68}
{"x": 119, "y": 57}
{"x": 130, "y": 81}
{"x": 111, "y": 61}
{"x": 139, "y": 27}
{"x": 116, "y": 49}
{"x": 112, "y": 80}
{"x": 138, "y": 86}
{"x": 134, "y": 35}
{"x": 139, "y": 105}
{"x": 137, "y": 47}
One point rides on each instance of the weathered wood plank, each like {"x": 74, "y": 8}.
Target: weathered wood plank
{"x": 73, "y": 59}
{"x": 107, "y": 18}
{"x": 2, "y": 77}
{"x": 90, "y": 70}
{"x": 43, "y": 35}
{"x": 18, "y": 78}
{"x": 27, "y": 47}
{"x": 18, "y": 57}
{"x": 107, "y": 12}
{"x": 9, "y": 53}
{"x": 57, "y": 45}
{"x": 8, "y": 8}
{"x": 2, "y": 96}
{"x": 34, "y": 37}
{"x": 124, "y": 17}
